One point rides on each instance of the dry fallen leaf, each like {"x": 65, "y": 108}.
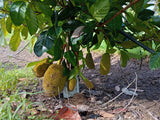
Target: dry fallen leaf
{"x": 105, "y": 114}
{"x": 67, "y": 114}
{"x": 119, "y": 109}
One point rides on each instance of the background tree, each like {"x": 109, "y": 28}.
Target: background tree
{"x": 62, "y": 28}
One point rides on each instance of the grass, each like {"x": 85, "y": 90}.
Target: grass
{"x": 12, "y": 105}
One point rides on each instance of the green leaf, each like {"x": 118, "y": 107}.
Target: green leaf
{"x": 54, "y": 17}
{"x": 154, "y": 62}
{"x": 71, "y": 57}
{"x": 24, "y": 32}
{"x": 44, "y": 8}
{"x": 73, "y": 73}
{"x": 71, "y": 25}
{"x": 58, "y": 49}
{"x": 17, "y": 12}
{"x": 68, "y": 12}
{"x": 116, "y": 24}
{"x": 66, "y": 71}
{"x": 138, "y": 6}
{"x": 31, "y": 20}
{"x": 3, "y": 41}
{"x": 77, "y": 39}
{"x": 9, "y": 24}
{"x": 100, "y": 9}
{"x": 156, "y": 20}
{"x": 87, "y": 39}
{"x": 34, "y": 63}
{"x": 100, "y": 37}
{"x": 3, "y": 26}
{"x": 146, "y": 14}
{"x": 15, "y": 39}
{"x": 124, "y": 58}
{"x": 43, "y": 44}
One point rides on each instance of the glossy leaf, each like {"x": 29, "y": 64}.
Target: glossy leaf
{"x": 44, "y": 8}
{"x": 77, "y": 39}
{"x": 154, "y": 62}
{"x": 100, "y": 9}
{"x": 31, "y": 20}
{"x": 71, "y": 57}
{"x": 146, "y": 14}
{"x": 43, "y": 44}
{"x": 68, "y": 12}
{"x": 71, "y": 25}
{"x": 9, "y": 25}
{"x": 17, "y": 12}
{"x": 15, "y": 39}
{"x": 156, "y": 20}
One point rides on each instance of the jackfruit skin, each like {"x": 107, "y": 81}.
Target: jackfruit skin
{"x": 89, "y": 61}
{"x": 41, "y": 68}
{"x": 72, "y": 84}
{"x": 54, "y": 81}
{"x": 105, "y": 64}
{"x": 88, "y": 83}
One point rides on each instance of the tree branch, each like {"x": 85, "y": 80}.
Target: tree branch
{"x": 119, "y": 12}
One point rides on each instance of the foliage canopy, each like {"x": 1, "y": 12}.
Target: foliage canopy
{"x": 62, "y": 28}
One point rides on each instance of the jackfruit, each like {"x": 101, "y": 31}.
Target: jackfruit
{"x": 88, "y": 83}
{"x": 89, "y": 61}
{"x": 54, "y": 81}
{"x": 41, "y": 68}
{"x": 105, "y": 64}
{"x": 72, "y": 84}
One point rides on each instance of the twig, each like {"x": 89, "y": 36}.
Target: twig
{"x": 132, "y": 96}
{"x": 155, "y": 118}
{"x": 103, "y": 105}
{"x": 119, "y": 12}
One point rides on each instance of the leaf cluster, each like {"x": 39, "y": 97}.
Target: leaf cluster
{"x": 62, "y": 28}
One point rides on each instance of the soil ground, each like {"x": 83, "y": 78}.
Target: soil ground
{"x": 145, "y": 105}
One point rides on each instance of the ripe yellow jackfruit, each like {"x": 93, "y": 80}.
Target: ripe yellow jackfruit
{"x": 72, "y": 84}
{"x": 88, "y": 83}
{"x": 105, "y": 64}
{"x": 54, "y": 81}
{"x": 41, "y": 68}
{"x": 89, "y": 61}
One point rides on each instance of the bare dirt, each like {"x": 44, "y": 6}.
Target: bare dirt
{"x": 99, "y": 103}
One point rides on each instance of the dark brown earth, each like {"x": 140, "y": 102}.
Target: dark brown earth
{"x": 144, "y": 106}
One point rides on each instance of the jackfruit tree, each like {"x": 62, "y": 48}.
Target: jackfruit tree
{"x": 63, "y": 28}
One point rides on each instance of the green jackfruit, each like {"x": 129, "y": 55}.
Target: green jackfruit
{"x": 41, "y": 68}
{"x": 88, "y": 83}
{"x": 89, "y": 61}
{"x": 72, "y": 84}
{"x": 105, "y": 64}
{"x": 54, "y": 81}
